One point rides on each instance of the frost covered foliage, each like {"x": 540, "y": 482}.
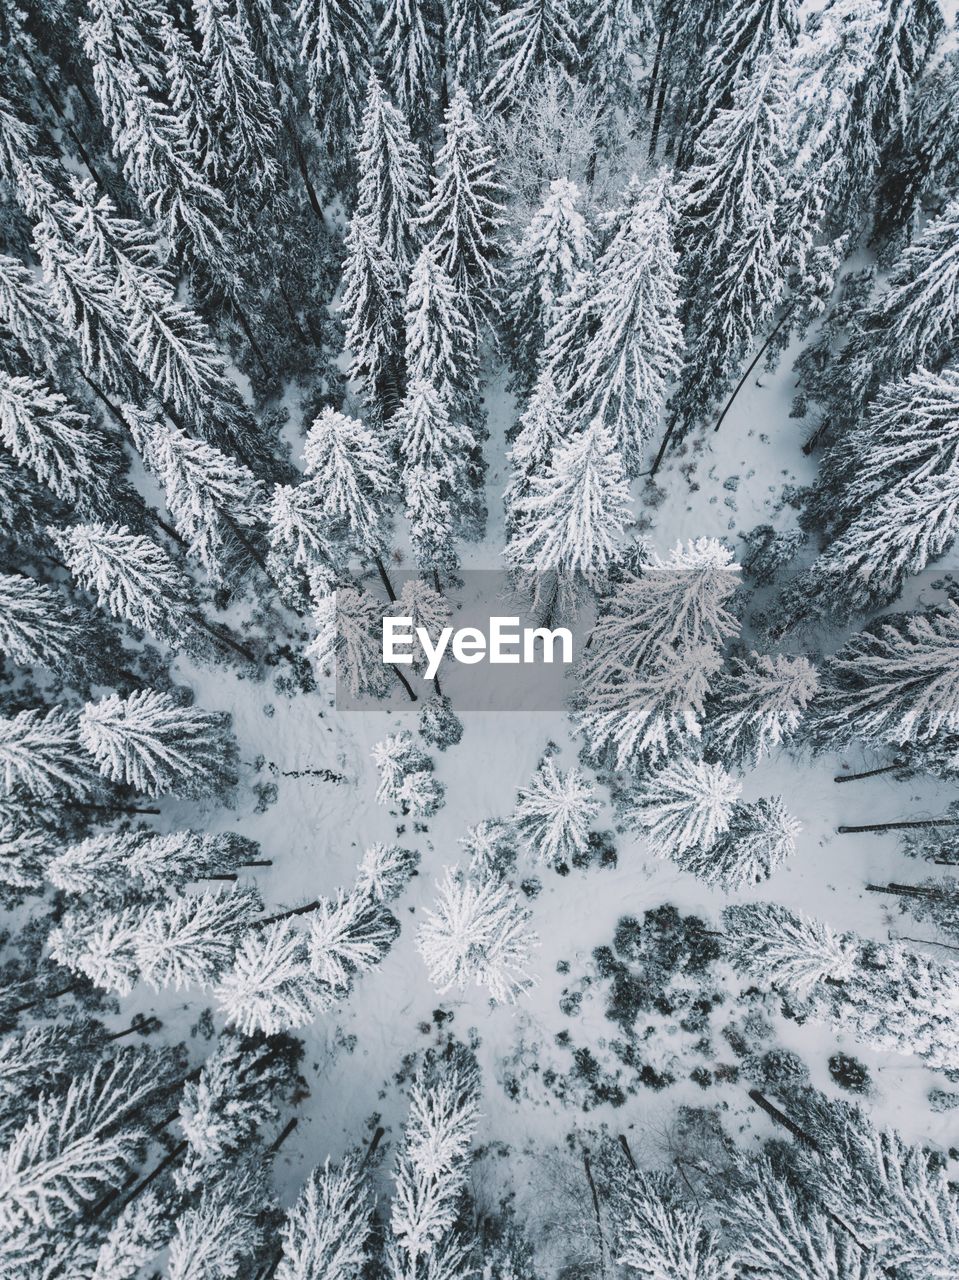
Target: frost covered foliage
{"x": 151, "y": 743}
{"x": 690, "y": 811}
{"x": 432, "y": 1168}
{"x": 406, "y": 776}
{"x": 655, "y": 653}
{"x": 553, "y": 814}
{"x": 302, "y": 308}
{"x": 478, "y": 934}
{"x": 883, "y": 994}
{"x": 660, "y": 1234}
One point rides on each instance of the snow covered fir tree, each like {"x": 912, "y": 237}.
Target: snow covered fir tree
{"x": 639, "y": 320}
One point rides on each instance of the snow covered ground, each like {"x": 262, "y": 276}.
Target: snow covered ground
{"x": 316, "y": 830}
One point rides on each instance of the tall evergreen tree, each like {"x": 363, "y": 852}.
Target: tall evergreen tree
{"x": 555, "y": 246}
{"x": 737, "y": 250}
{"x": 157, "y": 746}
{"x": 40, "y": 755}
{"x": 372, "y": 309}
{"x": 58, "y": 443}
{"x": 39, "y": 626}
{"x": 464, "y": 214}
{"x": 242, "y": 99}
{"x": 525, "y": 39}
{"x": 130, "y": 576}
{"x": 573, "y": 520}
{"x": 440, "y": 343}
{"x": 408, "y": 38}
{"x": 479, "y": 934}
{"x": 210, "y": 495}
{"x": 335, "y": 48}
{"x": 892, "y": 685}
{"x": 327, "y": 1231}
{"x": 633, "y": 351}
{"x": 392, "y": 182}
{"x": 352, "y": 478}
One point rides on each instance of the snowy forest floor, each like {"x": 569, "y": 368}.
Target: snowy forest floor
{"x": 315, "y": 830}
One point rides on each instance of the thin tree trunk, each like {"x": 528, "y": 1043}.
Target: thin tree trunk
{"x": 155, "y": 1173}
{"x": 110, "y": 808}
{"x": 104, "y": 399}
{"x": 385, "y": 578}
{"x": 51, "y": 995}
{"x": 752, "y": 364}
{"x": 921, "y": 825}
{"x": 286, "y": 915}
{"x": 664, "y": 86}
{"x": 244, "y": 324}
{"x": 223, "y": 636}
{"x": 283, "y": 1135}
{"x": 629, "y": 1155}
{"x": 651, "y": 91}
{"x": 599, "y": 1220}
{"x": 869, "y": 773}
{"x": 781, "y": 1118}
{"x": 405, "y": 683}
{"x": 671, "y": 427}
{"x": 910, "y": 891}
{"x": 814, "y": 439}
{"x": 305, "y": 173}
{"x": 657, "y": 121}
{"x": 373, "y": 1144}
{"x": 65, "y": 123}
{"x": 292, "y": 313}
{"x": 257, "y": 862}
{"x": 928, "y": 942}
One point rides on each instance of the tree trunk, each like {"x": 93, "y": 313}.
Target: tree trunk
{"x": 870, "y": 773}
{"x": 921, "y": 825}
{"x": 657, "y": 121}
{"x": 57, "y": 108}
{"x": 927, "y": 942}
{"x": 629, "y": 1155}
{"x": 292, "y": 313}
{"x": 155, "y": 1173}
{"x": 222, "y": 636}
{"x": 385, "y": 578}
{"x": 305, "y": 173}
{"x": 286, "y": 915}
{"x": 670, "y": 428}
{"x": 373, "y": 1144}
{"x": 405, "y": 683}
{"x": 911, "y": 891}
{"x": 651, "y": 91}
{"x": 255, "y": 347}
{"x": 781, "y": 1118}
{"x": 50, "y": 995}
{"x": 599, "y": 1220}
{"x": 283, "y": 1135}
{"x": 664, "y": 86}
{"x": 752, "y": 364}
{"x": 110, "y": 808}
